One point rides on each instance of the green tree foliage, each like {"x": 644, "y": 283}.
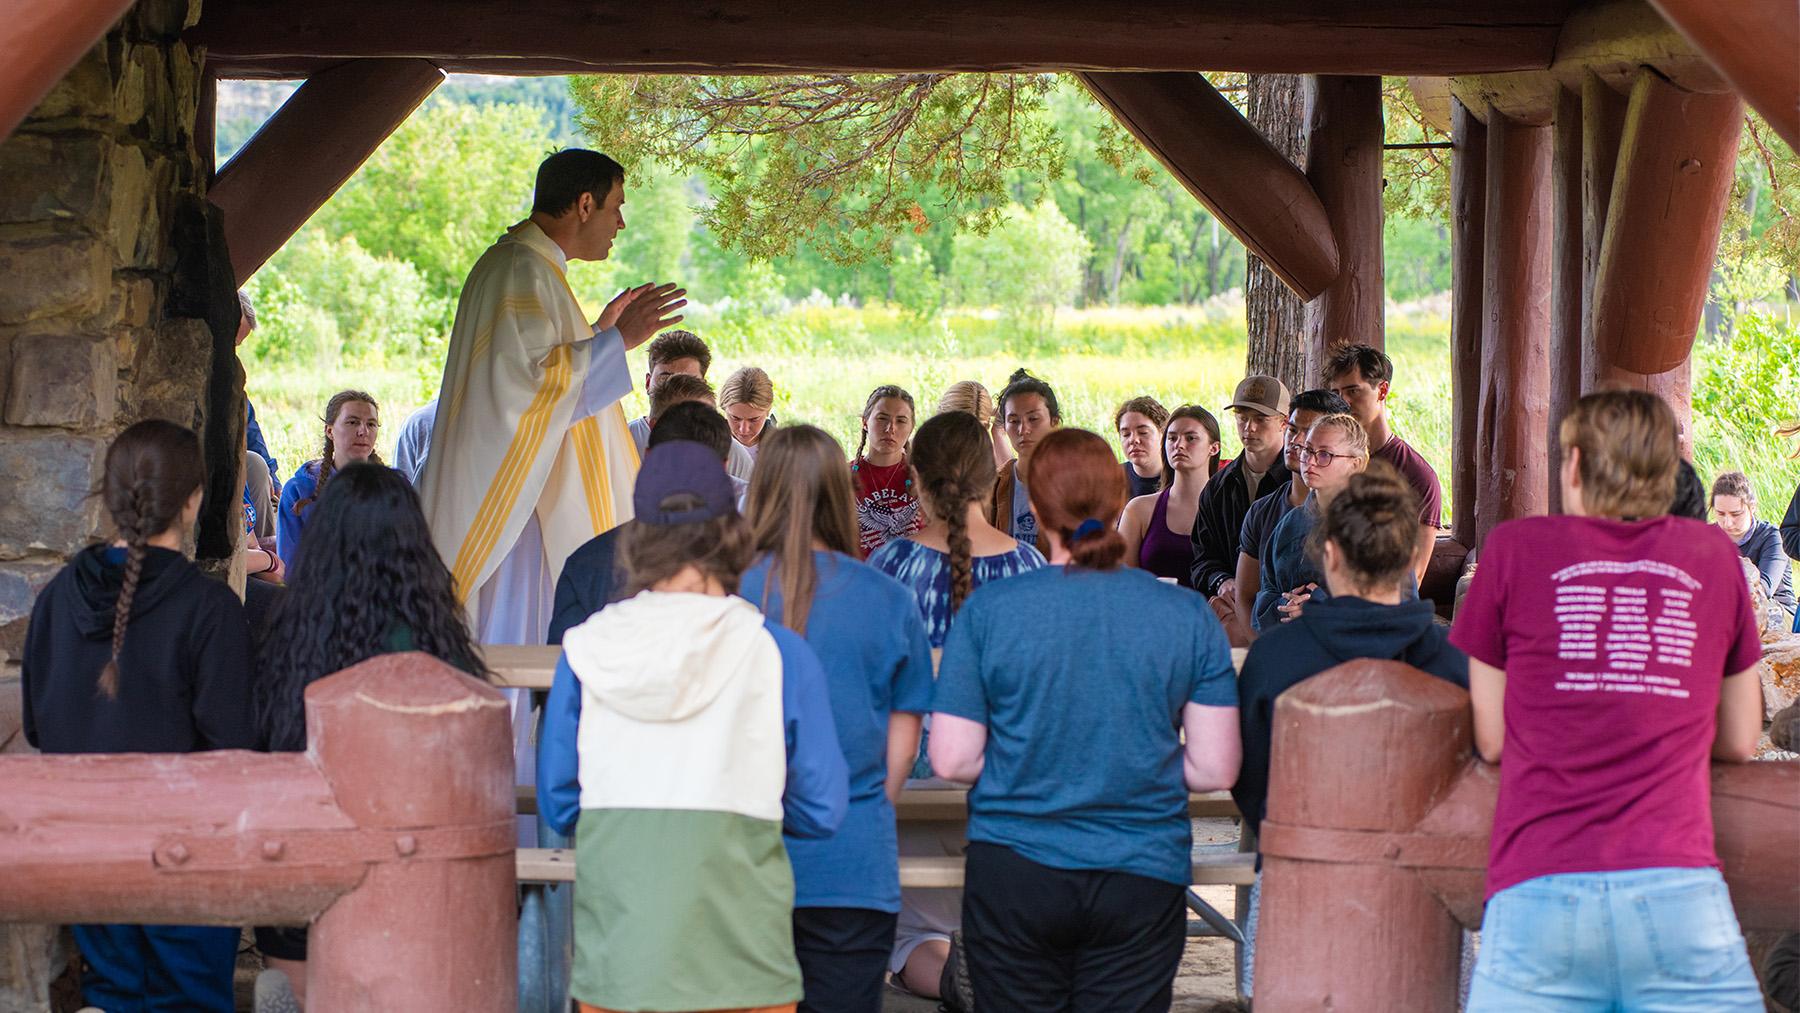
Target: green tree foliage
{"x": 846, "y": 162}
{"x": 322, "y": 302}
{"x": 1027, "y": 265}
{"x": 443, "y": 188}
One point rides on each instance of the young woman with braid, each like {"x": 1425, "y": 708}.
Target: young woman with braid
{"x": 942, "y": 563}
{"x": 370, "y": 582}
{"x": 865, "y": 628}
{"x": 352, "y": 421}
{"x": 1156, "y": 526}
{"x": 131, "y": 650}
{"x": 886, "y": 506}
{"x": 1082, "y": 740}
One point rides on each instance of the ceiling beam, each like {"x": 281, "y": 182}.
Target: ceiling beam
{"x": 313, "y": 143}
{"x": 1283, "y": 36}
{"x": 1225, "y": 162}
{"x": 39, "y": 42}
{"x": 1754, "y": 44}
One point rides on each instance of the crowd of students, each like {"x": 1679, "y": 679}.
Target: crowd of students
{"x": 746, "y": 682}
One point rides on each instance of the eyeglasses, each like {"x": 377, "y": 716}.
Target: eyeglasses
{"x": 1323, "y": 457}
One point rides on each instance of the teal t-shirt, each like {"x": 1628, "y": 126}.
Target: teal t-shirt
{"x": 1080, "y": 677}
{"x": 870, "y": 639}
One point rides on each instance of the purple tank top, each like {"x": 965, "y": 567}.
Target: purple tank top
{"x": 1163, "y": 552}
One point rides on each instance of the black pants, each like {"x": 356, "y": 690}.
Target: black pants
{"x": 843, "y": 954}
{"x": 1040, "y": 939}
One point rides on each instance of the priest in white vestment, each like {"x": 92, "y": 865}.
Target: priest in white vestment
{"x": 530, "y": 455}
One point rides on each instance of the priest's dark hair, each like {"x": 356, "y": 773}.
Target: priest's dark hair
{"x": 565, "y": 176}
{"x": 368, "y": 581}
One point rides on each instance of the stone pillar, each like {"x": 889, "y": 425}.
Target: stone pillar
{"x": 110, "y": 312}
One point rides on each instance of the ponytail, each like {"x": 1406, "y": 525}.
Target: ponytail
{"x": 1078, "y": 492}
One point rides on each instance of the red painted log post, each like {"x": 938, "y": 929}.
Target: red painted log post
{"x": 1343, "y": 162}
{"x": 1468, "y": 237}
{"x": 1515, "y": 365}
{"x": 394, "y": 831}
{"x": 1375, "y": 845}
{"x": 1339, "y": 741}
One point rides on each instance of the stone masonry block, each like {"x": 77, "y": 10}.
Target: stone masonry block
{"x": 135, "y": 221}
{"x": 85, "y": 92}
{"x": 132, "y": 301}
{"x": 54, "y": 176}
{"x": 62, "y": 380}
{"x": 20, "y": 583}
{"x": 50, "y": 476}
{"x": 62, "y": 273}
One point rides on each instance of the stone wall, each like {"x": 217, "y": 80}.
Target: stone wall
{"x": 109, "y": 293}
{"x": 116, "y": 304}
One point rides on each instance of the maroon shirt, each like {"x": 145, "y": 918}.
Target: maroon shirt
{"x": 1419, "y": 474}
{"x": 886, "y": 508}
{"x": 1615, "y": 637}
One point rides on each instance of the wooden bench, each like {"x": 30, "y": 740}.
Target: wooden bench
{"x": 557, "y": 865}
{"x": 939, "y": 805}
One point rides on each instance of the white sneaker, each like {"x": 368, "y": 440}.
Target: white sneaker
{"x": 274, "y": 993}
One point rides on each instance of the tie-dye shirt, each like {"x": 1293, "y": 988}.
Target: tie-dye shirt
{"x": 926, "y": 573}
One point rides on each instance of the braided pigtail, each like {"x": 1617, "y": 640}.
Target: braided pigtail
{"x": 327, "y": 465}
{"x": 951, "y": 502}
{"x": 131, "y": 531}
{"x": 152, "y": 470}
{"x": 328, "y": 459}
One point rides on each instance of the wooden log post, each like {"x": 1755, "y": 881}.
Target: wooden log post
{"x": 1376, "y": 841}
{"x": 1515, "y": 366}
{"x": 1343, "y": 162}
{"x": 1677, "y": 157}
{"x": 1468, "y": 204}
{"x": 40, "y": 42}
{"x": 394, "y": 831}
{"x": 1222, "y": 160}
{"x": 1751, "y": 42}
{"x": 312, "y": 144}
{"x": 1567, "y": 279}
{"x": 1602, "y": 124}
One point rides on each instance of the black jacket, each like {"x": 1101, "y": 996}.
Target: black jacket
{"x": 1220, "y": 519}
{"x": 184, "y": 672}
{"x": 1327, "y": 634}
{"x": 591, "y": 580}
{"x": 1790, "y": 527}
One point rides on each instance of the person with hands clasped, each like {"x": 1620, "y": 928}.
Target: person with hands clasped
{"x": 1082, "y": 740}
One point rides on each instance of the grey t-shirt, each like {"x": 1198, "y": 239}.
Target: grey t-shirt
{"x": 1024, "y": 523}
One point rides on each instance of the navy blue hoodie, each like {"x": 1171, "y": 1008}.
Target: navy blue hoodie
{"x": 184, "y": 673}
{"x": 1327, "y": 634}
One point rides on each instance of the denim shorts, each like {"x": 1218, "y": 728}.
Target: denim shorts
{"x": 1640, "y": 939}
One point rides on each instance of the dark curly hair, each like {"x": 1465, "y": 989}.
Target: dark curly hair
{"x": 366, "y": 570}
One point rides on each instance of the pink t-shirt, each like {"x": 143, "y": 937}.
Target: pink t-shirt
{"x": 886, "y": 508}
{"x": 1615, "y": 637}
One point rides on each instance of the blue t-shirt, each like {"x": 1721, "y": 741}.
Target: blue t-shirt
{"x": 1083, "y": 768}
{"x": 289, "y": 522}
{"x": 926, "y": 573}
{"x": 871, "y": 642}
{"x": 1024, "y": 524}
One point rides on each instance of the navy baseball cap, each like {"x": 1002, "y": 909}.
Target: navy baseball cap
{"x": 682, "y": 467}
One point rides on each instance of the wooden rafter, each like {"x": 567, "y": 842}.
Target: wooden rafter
{"x": 1222, "y": 160}
{"x": 1756, "y": 45}
{"x": 1320, "y": 36}
{"x": 39, "y": 42}
{"x": 312, "y": 144}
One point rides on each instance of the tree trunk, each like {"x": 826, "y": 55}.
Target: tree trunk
{"x": 1117, "y": 275}
{"x": 1272, "y": 313}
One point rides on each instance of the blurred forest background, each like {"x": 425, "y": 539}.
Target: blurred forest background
{"x": 916, "y": 230}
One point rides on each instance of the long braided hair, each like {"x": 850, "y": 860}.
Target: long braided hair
{"x": 954, "y": 457}
{"x": 886, "y": 390}
{"x": 152, "y": 470}
{"x": 328, "y": 458}
{"x": 367, "y": 570}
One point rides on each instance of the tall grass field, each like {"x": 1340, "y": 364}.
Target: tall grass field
{"x": 825, "y": 359}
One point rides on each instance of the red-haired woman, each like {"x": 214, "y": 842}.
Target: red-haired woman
{"x": 1078, "y": 828}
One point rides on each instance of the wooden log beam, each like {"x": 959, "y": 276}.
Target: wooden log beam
{"x": 312, "y": 144}
{"x": 1468, "y": 231}
{"x": 1515, "y": 364}
{"x": 1343, "y": 163}
{"x": 39, "y": 42}
{"x": 1222, "y": 160}
{"x": 1753, "y": 43}
{"x": 1611, "y": 41}
{"x": 1677, "y": 157}
{"x": 1567, "y": 278}
{"x": 1602, "y": 125}
{"x": 1258, "y": 36}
